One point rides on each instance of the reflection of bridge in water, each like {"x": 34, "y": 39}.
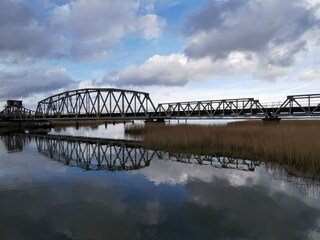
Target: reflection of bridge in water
{"x": 93, "y": 153}
{"x": 113, "y": 155}
{"x": 212, "y": 160}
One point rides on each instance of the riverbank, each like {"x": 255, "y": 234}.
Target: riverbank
{"x": 295, "y": 144}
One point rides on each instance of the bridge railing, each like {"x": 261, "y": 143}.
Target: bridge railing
{"x": 242, "y": 107}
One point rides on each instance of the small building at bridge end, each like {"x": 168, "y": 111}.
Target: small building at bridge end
{"x": 14, "y": 103}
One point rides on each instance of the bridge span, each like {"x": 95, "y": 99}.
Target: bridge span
{"x": 120, "y": 104}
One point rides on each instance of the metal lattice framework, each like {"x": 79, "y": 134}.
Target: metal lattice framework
{"x": 242, "y": 107}
{"x": 93, "y": 103}
{"x": 94, "y": 154}
{"x": 17, "y": 113}
{"x": 300, "y": 105}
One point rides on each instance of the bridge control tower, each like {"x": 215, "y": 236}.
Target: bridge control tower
{"x": 14, "y": 103}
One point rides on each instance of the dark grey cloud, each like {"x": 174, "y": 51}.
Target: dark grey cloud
{"x": 212, "y": 16}
{"x": 24, "y": 83}
{"x": 24, "y": 37}
{"x": 222, "y": 27}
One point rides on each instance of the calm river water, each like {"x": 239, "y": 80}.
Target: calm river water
{"x": 54, "y": 187}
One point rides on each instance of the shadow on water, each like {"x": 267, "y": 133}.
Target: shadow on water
{"x": 113, "y": 155}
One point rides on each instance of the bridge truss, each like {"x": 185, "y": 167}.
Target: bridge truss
{"x": 17, "y": 113}
{"x": 93, "y": 103}
{"x": 232, "y": 108}
{"x": 300, "y": 105}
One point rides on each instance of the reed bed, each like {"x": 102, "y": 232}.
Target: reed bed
{"x": 293, "y": 143}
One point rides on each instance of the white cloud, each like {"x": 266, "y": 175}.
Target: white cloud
{"x": 264, "y": 40}
{"x": 151, "y": 26}
{"x": 178, "y": 70}
{"x": 278, "y": 34}
{"x": 80, "y": 30}
{"x": 95, "y": 28}
{"x": 161, "y": 70}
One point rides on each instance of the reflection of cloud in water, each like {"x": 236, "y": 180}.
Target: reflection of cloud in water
{"x": 96, "y": 207}
{"x": 175, "y": 173}
{"x": 25, "y": 167}
{"x": 79, "y": 209}
{"x": 248, "y": 212}
{"x": 111, "y": 131}
{"x": 171, "y": 172}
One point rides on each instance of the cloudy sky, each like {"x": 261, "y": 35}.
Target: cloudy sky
{"x": 176, "y": 50}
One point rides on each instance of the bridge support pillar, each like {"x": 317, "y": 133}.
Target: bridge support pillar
{"x": 271, "y": 120}
{"x": 154, "y": 120}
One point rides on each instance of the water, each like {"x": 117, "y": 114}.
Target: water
{"x": 55, "y": 187}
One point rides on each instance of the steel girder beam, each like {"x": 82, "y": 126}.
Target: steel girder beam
{"x": 242, "y": 107}
{"x": 300, "y": 105}
{"x": 96, "y": 103}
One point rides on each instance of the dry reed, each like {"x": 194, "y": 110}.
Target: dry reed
{"x": 294, "y": 143}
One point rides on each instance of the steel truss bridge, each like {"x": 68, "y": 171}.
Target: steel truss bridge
{"x": 120, "y": 104}
{"x": 113, "y": 155}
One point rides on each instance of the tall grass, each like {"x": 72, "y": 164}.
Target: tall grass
{"x": 294, "y": 143}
